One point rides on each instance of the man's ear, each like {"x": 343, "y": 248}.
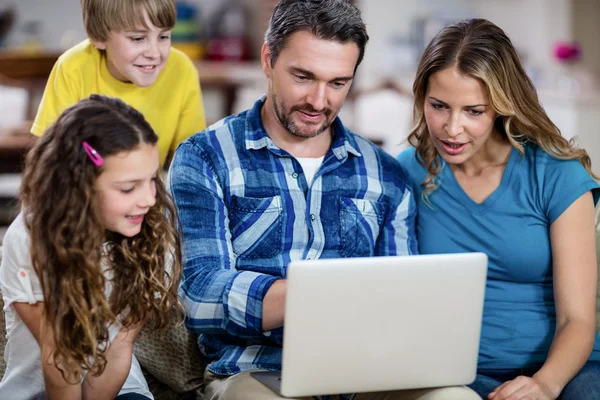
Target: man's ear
{"x": 99, "y": 44}
{"x": 265, "y": 59}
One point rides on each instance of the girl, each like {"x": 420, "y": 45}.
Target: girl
{"x": 93, "y": 255}
{"x": 493, "y": 174}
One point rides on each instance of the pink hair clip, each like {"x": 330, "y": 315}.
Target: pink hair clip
{"x": 93, "y": 154}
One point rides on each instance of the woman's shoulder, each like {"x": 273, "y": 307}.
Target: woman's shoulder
{"x": 412, "y": 164}
{"x": 410, "y": 160}
{"x": 558, "y": 182}
{"x": 549, "y": 166}
{"x": 407, "y": 156}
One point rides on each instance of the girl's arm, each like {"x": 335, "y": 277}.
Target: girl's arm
{"x": 56, "y": 386}
{"x": 118, "y": 364}
{"x": 572, "y": 237}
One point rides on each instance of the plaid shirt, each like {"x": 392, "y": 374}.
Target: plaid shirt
{"x": 246, "y": 211}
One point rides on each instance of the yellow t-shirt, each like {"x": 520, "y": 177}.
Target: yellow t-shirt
{"x": 172, "y": 105}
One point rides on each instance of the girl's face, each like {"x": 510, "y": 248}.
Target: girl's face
{"x": 127, "y": 188}
{"x": 459, "y": 116}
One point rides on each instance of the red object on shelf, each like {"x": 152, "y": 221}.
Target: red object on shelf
{"x": 230, "y": 41}
{"x": 229, "y": 48}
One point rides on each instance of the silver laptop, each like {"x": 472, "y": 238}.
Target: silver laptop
{"x": 382, "y": 323}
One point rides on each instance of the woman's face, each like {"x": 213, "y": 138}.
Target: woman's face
{"x": 458, "y": 114}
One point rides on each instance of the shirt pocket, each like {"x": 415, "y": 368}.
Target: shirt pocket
{"x": 360, "y": 223}
{"x": 256, "y": 226}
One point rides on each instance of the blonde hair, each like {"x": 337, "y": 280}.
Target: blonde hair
{"x": 479, "y": 49}
{"x": 100, "y": 17}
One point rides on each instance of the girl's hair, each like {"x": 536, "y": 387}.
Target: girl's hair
{"x": 478, "y": 49}
{"x": 70, "y": 248}
{"x": 100, "y": 17}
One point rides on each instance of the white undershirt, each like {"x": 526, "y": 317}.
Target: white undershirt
{"x": 310, "y": 166}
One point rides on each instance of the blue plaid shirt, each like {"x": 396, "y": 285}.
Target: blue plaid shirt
{"x": 247, "y": 210}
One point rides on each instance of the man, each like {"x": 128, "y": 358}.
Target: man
{"x": 282, "y": 181}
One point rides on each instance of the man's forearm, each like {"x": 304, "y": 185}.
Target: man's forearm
{"x": 274, "y": 306}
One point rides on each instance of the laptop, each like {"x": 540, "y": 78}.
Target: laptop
{"x": 376, "y": 324}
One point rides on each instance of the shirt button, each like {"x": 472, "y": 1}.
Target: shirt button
{"x": 295, "y": 175}
{"x": 312, "y": 217}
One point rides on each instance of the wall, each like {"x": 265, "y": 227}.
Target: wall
{"x": 587, "y": 31}
{"x": 61, "y": 19}
{"x": 532, "y": 25}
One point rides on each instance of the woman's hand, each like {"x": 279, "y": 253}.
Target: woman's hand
{"x": 523, "y": 388}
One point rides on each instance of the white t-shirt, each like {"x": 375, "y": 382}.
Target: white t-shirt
{"x": 23, "y": 378}
{"x": 310, "y": 166}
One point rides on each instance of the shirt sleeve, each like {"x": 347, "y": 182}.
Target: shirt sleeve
{"x": 218, "y": 298}
{"x": 62, "y": 91}
{"x": 192, "y": 119}
{"x": 564, "y": 181}
{"x": 18, "y": 280}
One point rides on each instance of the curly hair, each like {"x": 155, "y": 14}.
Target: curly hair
{"x": 71, "y": 250}
{"x": 479, "y": 49}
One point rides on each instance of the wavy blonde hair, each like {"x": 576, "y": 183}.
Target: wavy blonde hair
{"x": 70, "y": 248}
{"x": 479, "y": 49}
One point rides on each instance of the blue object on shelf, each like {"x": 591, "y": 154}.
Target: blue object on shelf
{"x": 185, "y": 11}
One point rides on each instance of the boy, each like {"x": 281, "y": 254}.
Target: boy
{"x": 128, "y": 55}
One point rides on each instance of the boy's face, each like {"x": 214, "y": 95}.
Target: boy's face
{"x": 137, "y": 56}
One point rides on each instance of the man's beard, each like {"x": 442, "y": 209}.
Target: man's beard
{"x": 285, "y": 118}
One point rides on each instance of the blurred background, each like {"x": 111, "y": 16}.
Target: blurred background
{"x": 558, "y": 40}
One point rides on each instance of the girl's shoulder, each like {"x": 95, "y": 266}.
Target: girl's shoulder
{"x": 16, "y": 241}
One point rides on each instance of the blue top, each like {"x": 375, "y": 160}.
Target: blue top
{"x": 246, "y": 211}
{"x": 512, "y": 226}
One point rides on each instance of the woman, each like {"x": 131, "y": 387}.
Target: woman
{"x": 492, "y": 173}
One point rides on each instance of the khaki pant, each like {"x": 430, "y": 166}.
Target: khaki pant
{"x": 242, "y": 386}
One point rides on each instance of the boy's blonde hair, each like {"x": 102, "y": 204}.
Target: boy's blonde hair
{"x": 100, "y": 17}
